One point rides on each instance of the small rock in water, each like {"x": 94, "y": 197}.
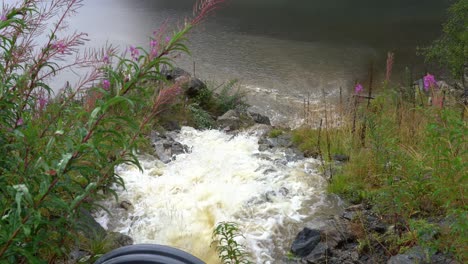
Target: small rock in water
{"x": 126, "y": 205}
{"x": 283, "y": 191}
{"x": 270, "y": 196}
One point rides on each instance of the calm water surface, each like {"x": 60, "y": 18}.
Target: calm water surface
{"x": 279, "y": 50}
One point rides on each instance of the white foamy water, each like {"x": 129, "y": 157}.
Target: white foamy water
{"x": 223, "y": 178}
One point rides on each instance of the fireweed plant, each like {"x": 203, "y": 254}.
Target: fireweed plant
{"x": 59, "y": 149}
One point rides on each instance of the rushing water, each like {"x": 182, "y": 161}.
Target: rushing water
{"x": 223, "y": 178}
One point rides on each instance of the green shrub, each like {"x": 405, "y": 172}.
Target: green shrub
{"x": 59, "y": 151}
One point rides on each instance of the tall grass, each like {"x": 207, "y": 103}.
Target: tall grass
{"x": 412, "y": 165}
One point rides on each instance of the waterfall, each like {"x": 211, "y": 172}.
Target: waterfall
{"x": 222, "y": 178}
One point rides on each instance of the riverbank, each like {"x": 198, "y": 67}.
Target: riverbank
{"x": 404, "y": 154}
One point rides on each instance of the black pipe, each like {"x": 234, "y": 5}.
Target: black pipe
{"x": 148, "y": 254}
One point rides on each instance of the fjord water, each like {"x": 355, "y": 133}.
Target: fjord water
{"x": 279, "y": 50}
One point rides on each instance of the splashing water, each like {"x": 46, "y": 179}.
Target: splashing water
{"x": 223, "y": 178}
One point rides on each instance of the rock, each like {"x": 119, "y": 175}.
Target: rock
{"x": 341, "y": 158}
{"x": 235, "y": 120}
{"x": 166, "y": 148}
{"x": 404, "y": 259}
{"x": 283, "y": 141}
{"x": 116, "y": 240}
{"x": 319, "y": 254}
{"x": 293, "y": 154}
{"x": 259, "y": 130}
{"x": 305, "y": 242}
{"x": 259, "y": 118}
{"x": 171, "y": 125}
{"x": 270, "y": 196}
{"x": 175, "y": 73}
{"x": 283, "y": 191}
{"x": 77, "y": 254}
{"x": 126, "y": 205}
{"x": 88, "y": 225}
{"x": 194, "y": 87}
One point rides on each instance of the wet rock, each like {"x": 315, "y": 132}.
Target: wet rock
{"x": 263, "y": 147}
{"x": 259, "y": 130}
{"x": 88, "y": 225}
{"x": 283, "y": 191}
{"x": 293, "y": 154}
{"x": 171, "y": 125}
{"x": 340, "y": 157}
{"x": 194, "y": 87}
{"x": 126, "y": 205}
{"x": 270, "y": 196}
{"x": 234, "y": 120}
{"x": 77, "y": 255}
{"x": 319, "y": 254}
{"x": 259, "y": 118}
{"x": 175, "y": 73}
{"x": 166, "y": 148}
{"x": 305, "y": 242}
{"x": 281, "y": 141}
{"x": 116, "y": 240}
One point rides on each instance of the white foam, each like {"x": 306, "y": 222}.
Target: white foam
{"x": 222, "y": 179}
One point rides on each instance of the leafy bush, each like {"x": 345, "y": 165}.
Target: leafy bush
{"x": 59, "y": 151}
{"x": 451, "y": 49}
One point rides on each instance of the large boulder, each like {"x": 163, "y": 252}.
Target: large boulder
{"x": 305, "y": 242}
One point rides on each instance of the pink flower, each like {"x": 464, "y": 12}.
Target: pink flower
{"x": 106, "y": 59}
{"x": 429, "y": 82}
{"x": 168, "y": 39}
{"x": 42, "y": 102}
{"x": 154, "y": 48}
{"x": 106, "y": 84}
{"x": 3, "y": 17}
{"x": 134, "y": 52}
{"x": 59, "y": 46}
{"x": 20, "y": 122}
{"x": 358, "y": 88}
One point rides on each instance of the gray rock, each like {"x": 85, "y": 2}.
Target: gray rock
{"x": 194, "y": 87}
{"x": 404, "y": 259}
{"x": 259, "y": 130}
{"x": 88, "y": 225}
{"x": 259, "y": 118}
{"x": 76, "y": 255}
{"x": 319, "y": 254}
{"x": 305, "y": 242}
{"x": 174, "y": 73}
{"x": 293, "y": 154}
{"x": 270, "y": 196}
{"x": 116, "y": 240}
{"x": 283, "y": 191}
{"x": 126, "y": 205}
{"x": 235, "y": 120}
{"x": 281, "y": 141}
{"x": 166, "y": 148}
